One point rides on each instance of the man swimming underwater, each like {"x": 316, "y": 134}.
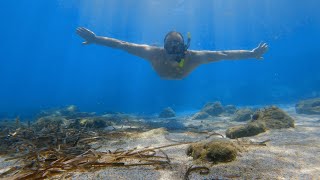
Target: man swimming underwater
{"x": 174, "y": 61}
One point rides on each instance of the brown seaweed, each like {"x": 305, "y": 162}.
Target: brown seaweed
{"x": 60, "y": 151}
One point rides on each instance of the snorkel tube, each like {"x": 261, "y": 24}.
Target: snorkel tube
{"x": 186, "y": 46}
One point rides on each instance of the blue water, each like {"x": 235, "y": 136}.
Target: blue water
{"x": 43, "y": 63}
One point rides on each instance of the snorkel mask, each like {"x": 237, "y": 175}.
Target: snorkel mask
{"x": 174, "y": 43}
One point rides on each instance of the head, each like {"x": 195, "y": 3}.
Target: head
{"x": 174, "y": 43}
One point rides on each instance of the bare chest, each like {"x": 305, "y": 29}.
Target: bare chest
{"x": 168, "y": 67}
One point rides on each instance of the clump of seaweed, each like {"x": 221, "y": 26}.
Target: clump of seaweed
{"x": 214, "y": 151}
{"x": 217, "y": 151}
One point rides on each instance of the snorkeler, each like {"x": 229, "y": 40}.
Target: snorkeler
{"x": 174, "y": 61}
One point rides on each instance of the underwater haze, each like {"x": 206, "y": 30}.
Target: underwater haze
{"x": 43, "y": 63}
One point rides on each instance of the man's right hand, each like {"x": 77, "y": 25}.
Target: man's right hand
{"x": 87, "y": 35}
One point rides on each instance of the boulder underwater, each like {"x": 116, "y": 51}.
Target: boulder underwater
{"x": 274, "y": 118}
{"x": 243, "y": 115}
{"x": 309, "y": 106}
{"x": 167, "y": 113}
{"x": 247, "y": 130}
{"x": 262, "y": 120}
{"x": 200, "y": 115}
{"x": 230, "y": 109}
{"x": 212, "y": 109}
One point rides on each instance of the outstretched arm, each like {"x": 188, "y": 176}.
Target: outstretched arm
{"x": 144, "y": 51}
{"x": 203, "y": 57}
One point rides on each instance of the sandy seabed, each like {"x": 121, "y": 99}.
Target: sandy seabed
{"x": 290, "y": 154}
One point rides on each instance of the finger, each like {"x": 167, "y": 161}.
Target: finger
{"x": 80, "y": 30}
{"x": 85, "y": 30}
{"x": 86, "y": 33}
{"x": 264, "y": 45}
{"x": 90, "y": 32}
{"x": 265, "y": 49}
{"x": 83, "y": 33}
{"x": 260, "y": 44}
{"x": 85, "y": 43}
{"x": 80, "y": 33}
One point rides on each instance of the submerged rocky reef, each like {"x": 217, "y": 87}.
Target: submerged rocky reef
{"x": 60, "y": 142}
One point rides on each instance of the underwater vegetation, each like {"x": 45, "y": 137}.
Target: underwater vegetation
{"x": 214, "y": 151}
{"x": 64, "y": 140}
{"x": 59, "y": 141}
{"x": 262, "y": 120}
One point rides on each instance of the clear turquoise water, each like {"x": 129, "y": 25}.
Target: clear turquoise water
{"x": 43, "y": 63}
